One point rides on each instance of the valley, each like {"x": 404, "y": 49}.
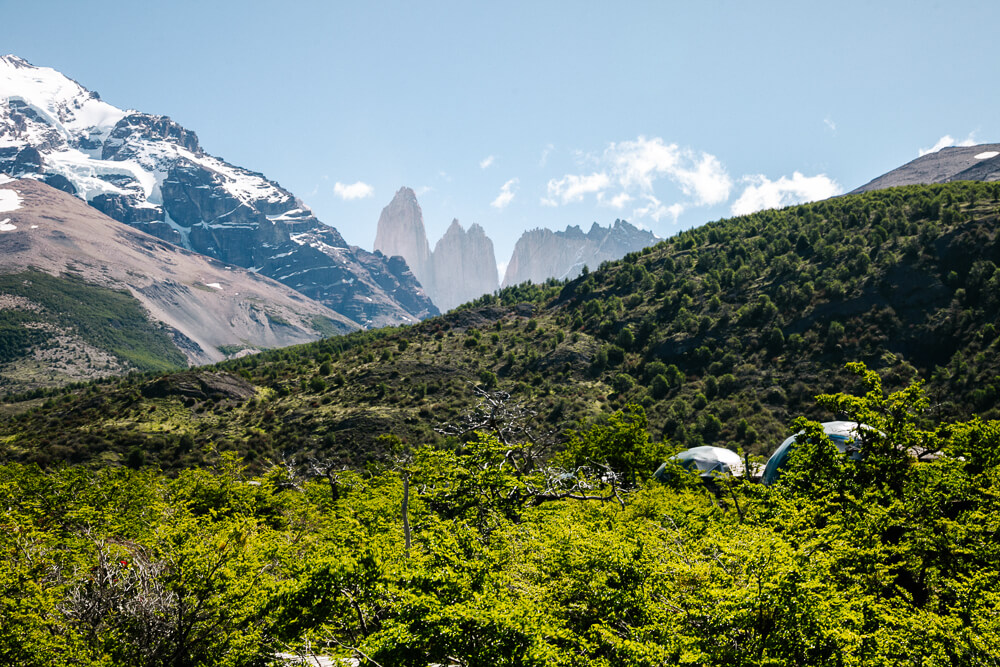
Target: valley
{"x": 567, "y": 338}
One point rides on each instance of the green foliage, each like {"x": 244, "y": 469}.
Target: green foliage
{"x": 621, "y": 443}
{"x": 506, "y": 559}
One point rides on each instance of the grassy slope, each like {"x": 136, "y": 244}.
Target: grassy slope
{"x": 723, "y": 333}
{"x": 107, "y": 320}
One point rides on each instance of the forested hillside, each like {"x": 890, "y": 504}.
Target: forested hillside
{"x": 723, "y": 334}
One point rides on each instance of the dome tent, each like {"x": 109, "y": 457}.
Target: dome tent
{"x": 842, "y": 434}
{"x": 706, "y": 461}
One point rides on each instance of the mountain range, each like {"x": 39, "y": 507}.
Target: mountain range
{"x": 723, "y": 334}
{"x": 150, "y": 173}
{"x": 541, "y": 253}
{"x": 206, "y": 309}
{"x": 462, "y": 266}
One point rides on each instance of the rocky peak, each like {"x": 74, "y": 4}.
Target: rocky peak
{"x": 541, "y": 254}
{"x": 137, "y": 127}
{"x": 464, "y": 266}
{"x": 14, "y": 61}
{"x": 401, "y": 232}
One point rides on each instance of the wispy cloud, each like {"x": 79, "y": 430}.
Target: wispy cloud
{"x": 487, "y": 161}
{"x": 573, "y": 187}
{"x": 763, "y": 193}
{"x": 629, "y": 170}
{"x": 655, "y": 210}
{"x": 356, "y": 190}
{"x": 542, "y": 161}
{"x": 506, "y": 194}
{"x": 618, "y": 201}
{"x": 830, "y": 124}
{"x": 946, "y": 141}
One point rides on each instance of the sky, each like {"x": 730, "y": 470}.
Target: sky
{"x": 517, "y": 115}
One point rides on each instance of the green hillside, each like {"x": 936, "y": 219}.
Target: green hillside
{"x": 81, "y": 325}
{"x": 475, "y": 490}
{"x": 723, "y": 334}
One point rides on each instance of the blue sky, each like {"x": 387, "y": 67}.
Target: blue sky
{"x": 539, "y": 114}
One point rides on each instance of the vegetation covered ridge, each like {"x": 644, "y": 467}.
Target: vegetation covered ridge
{"x": 82, "y": 330}
{"x": 723, "y": 334}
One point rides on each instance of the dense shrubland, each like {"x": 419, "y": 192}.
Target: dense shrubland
{"x": 503, "y": 560}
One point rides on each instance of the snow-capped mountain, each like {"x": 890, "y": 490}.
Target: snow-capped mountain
{"x": 207, "y": 309}
{"x": 149, "y": 172}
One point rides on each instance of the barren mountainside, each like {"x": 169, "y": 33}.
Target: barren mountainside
{"x": 956, "y": 163}
{"x": 209, "y": 310}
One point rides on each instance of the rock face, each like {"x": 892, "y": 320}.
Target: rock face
{"x": 149, "y": 172}
{"x": 462, "y": 266}
{"x": 541, "y": 254}
{"x": 401, "y": 233}
{"x": 957, "y": 163}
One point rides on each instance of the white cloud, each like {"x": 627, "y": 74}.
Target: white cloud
{"x": 655, "y": 209}
{"x": 357, "y": 190}
{"x": 629, "y": 170}
{"x": 763, "y": 193}
{"x": 487, "y": 161}
{"x": 637, "y": 164}
{"x": 618, "y": 201}
{"x": 707, "y": 180}
{"x": 506, "y": 194}
{"x": 946, "y": 141}
{"x": 830, "y": 124}
{"x": 572, "y": 187}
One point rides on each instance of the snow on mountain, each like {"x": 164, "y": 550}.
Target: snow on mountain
{"x": 149, "y": 172}
{"x": 70, "y": 114}
{"x": 9, "y": 200}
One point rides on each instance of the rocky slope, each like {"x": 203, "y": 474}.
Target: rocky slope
{"x": 541, "y": 254}
{"x": 209, "y": 309}
{"x": 149, "y": 172}
{"x": 957, "y": 163}
{"x": 462, "y": 266}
